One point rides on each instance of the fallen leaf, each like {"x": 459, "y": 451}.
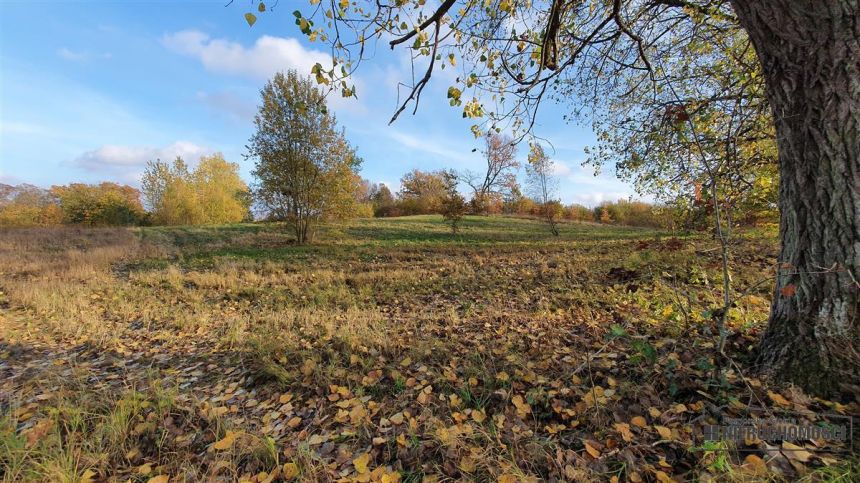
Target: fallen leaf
{"x": 662, "y": 477}
{"x": 754, "y": 465}
{"x": 795, "y": 452}
{"x": 88, "y": 476}
{"x": 227, "y": 441}
{"x": 317, "y": 439}
{"x": 361, "y": 462}
{"x": 664, "y": 432}
{"x": 639, "y": 421}
{"x": 778, "y": 398}
{"x": 290, "y": 471}
{"x": 624, "y": 429}
{"x": 594, "y": 452}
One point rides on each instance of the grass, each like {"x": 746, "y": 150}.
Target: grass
{"x": 495, "y": 353}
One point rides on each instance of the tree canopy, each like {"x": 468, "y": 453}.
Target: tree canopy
{"x": 213, "y": 192}
{"x": 306, "y": 170}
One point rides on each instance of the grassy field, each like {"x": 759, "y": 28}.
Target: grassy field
{"x": 388, "y": 350}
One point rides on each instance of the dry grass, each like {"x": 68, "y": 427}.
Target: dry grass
{"x": 312, "y": 352}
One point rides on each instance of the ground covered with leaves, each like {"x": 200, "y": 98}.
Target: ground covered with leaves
{"x": 391, "y": 350}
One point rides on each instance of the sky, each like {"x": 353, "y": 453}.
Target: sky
{"x": 91, "y": 91}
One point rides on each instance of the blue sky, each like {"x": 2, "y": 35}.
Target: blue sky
{"x": 89, "y": 91}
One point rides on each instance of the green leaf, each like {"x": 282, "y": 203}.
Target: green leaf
{"x": 250, "y": 18}
{"x": 616, "y": 331}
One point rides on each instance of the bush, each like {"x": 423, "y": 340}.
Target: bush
{"x": 102, "y": 204}
{"x": 27, "y": 205}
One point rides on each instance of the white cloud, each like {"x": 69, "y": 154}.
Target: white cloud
{"x": 267, "y": 56}
{"x": 596, "y": 197}
{"x": 260, "y": 61}
{"x": 429, "y": 145}
{"x": 128, "y": 162}
{"x": 560, "y": 169}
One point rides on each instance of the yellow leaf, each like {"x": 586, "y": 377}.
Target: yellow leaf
{"x": 795, "y": 452}
{"x": 523, "y": 407}
{"x": 361, "y": 462}
{"x": 479, "y": 416}
{"x": 664, "y": 432}
{"x": 144, "y": 469}
{"x": 662, "y": 477}
{"x": 624, "y": 429}
{"x": 291, "y": 470}
{"x": 250, "y": 18}
{"x": 393, "y": 477}
{"x": 88, "y": 476}
{"x": 317, "y": 439}
{"x": 639, "y": 421}
{"x": 227, "y": 441}
{"x": 468, "y": 465}
{"x": 294, "y": 422}
{"x": 508, "y": 478}
{"x": 777, "y": 398}
{"x": 159, "y": 479}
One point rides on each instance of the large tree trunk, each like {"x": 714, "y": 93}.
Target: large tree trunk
{"x": 810, "y": 54}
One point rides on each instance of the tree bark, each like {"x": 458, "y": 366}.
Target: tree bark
{"x": 810, "y": 55}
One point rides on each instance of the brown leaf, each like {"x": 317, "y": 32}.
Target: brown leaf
{"x": 639, "y": 421}
{"x": 594, "y": 452}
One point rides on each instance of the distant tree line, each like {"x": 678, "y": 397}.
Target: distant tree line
{"x": 212, "y": 192}
{"x": 426, "y": 192}
{"x": 306, "y": 172}
{"x": 76, "y": 203}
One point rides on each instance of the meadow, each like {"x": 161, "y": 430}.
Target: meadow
{"x": 388, "y": 350}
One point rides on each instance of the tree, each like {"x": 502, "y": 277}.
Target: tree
{"x": 211, "y": 193}
{"x": 169, "y": 193}
{"x": 102, "y": 204}
{"x": 520, "y": 53}
{"x": 305, "y": 168}
{"x": 702, "y": 127}
{"x": 500, "y": 154}
{"x": 422, "y": 192}
{"x": 543, "y": 185}
{"x": 453, "y": 204}
{"x": 28, "y": 205}
{"x": 382, "y": 200}
{"x": 223, "y": 195}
